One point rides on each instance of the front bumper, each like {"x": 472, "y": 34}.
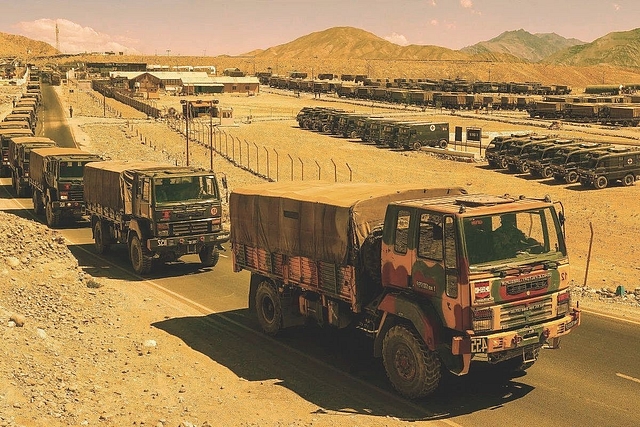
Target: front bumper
{"x": 196, "y": 241}
{"x": 491, "y": 345}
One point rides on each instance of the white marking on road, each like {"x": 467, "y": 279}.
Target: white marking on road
{"x": 627, "y": 377}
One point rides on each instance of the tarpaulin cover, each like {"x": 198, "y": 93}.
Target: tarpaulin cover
{"x": 323, "y": 221}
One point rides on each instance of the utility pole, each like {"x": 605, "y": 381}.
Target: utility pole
{"x": 186, "y": 128}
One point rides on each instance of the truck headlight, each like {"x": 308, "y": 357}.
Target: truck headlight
{"x": 564, "y": 302}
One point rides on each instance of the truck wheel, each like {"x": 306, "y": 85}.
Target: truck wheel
{"x": 628, "y": 180}
{"x": 209, "y": 256}
{"x": 572, "y": 177}
{"x": 546, "y": 172}
{"x": 412, "y": 368}
{"x": 503, "y": 164}
{"x": 268, "y": 308}
{"x": 38, "y": 207}
{"x": 140, "y": 261}
{"x": 417, "y": 146}
{"x": 101, "y": 240}
{"x": 601, "y": 182}
{"x": 524, "y": 168}
{"x": 443, "y": 143}
{"x": 53, "y": 217}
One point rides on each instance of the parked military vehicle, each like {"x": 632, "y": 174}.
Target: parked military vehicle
{"x": 426, "y": 273}
{"x": 497, "y": 149}
{"x": 539, "y": 160}
{"x": 157, "y": 210}
{"x": 418, "y": 135}
{"x": 564, "y": 166}
{"x": 347, "y": 124}
{"x": 56, "y": 180}
{"x": 518, "y": 153}
{"x": 22, "y": 117}
{"x": 604, "y": 167}
{"x": 6, "y": 133}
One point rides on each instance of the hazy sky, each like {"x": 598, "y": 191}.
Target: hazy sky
{"x": 215, "y": 27}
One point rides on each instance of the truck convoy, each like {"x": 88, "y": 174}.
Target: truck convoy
{"x": 427, "y": 273}
{"x": 56, "y": 180}
{"x": 157, "y": 210}
{"x": 19, "y": 155}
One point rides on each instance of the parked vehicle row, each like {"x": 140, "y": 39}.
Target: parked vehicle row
{"x": 624, "y": 114}
{"x": 593, "y": 164}
{"x": 379, "y": 130}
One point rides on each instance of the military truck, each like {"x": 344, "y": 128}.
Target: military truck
{"x": 159, "y": 211}
{"x": 497, "y": 149}
{"x": 415, "y": 136}
{"x": 19, "y": 156}
{"x": 519, "y": 150}
{"x": 564, "y": 166}
{"x": 418, "y": 270}
{"x": 539, "y": 160}
{"x": 56, "y": 180}
{"x": 6, "y": 133}
{"x": 604, "y": 167}
{"x": 21, "y": 117}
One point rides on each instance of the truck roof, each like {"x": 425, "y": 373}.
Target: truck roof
{"x": 64, "y": 152}
{"x": 322, "y": 220}
{"x": 31, "y": 139}
{"x": 148, "y": 167}
{"x": 16, "y": 132}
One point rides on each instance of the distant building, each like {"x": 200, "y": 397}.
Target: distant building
{"x": 188, "y": 82}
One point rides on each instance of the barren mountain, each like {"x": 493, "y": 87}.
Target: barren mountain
{"x": 14, "y": 45}
{"x": 618, "y": 49}
{"x": 523, "y": 44}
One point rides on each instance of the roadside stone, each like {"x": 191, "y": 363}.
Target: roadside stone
{"x": 18, "y": 319}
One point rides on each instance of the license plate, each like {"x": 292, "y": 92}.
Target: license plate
{"x": 479, "y": 345}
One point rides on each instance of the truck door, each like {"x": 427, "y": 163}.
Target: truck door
{"x": 398, "y": 248}
{"x": 143, "y": 197}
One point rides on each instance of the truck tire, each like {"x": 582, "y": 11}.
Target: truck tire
{"x": 53, "y": 217}
{"x": 38, "y": 207}
{"x": 413, "y": 369}
{"x": 417, "y": 146}
{"x": 546, "y": 172}
{"x": 628, "y": 180}
{"x": 268, "y": 308}
{"x": 524, "y": 168}
{"x": 443, "y": 143}
{"x": 140, "y": 261}
{"x": 209, "y": 256}
{"x": 503, "y": 164}
{"x": 572, "y": 177}
{"x": 101, "y": 241}
{"x": 601, "y": 182}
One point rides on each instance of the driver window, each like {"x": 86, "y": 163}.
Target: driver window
{"x": 402, "y": 231}
{"x": 430, "y": 241}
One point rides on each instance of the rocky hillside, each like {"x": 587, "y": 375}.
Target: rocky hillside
{"x": 524, "y": 45}
{"x": 14, "y": 45}
{"x": 618, "y": 49}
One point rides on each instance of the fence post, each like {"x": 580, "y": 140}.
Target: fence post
{"x": 318, "y": 164}
{"x": 335, "y": 171}
{"x": 291, "y": 159}
{"x": 277, "y": 165}
{"x": 301, "y": 169}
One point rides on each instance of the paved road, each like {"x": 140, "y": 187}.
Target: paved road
{"x": 593, "y": 379}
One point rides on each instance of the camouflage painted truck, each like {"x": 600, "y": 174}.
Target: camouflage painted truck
{"x": 56, "y": 180}
{"x": 19, "y": 155}
{"x": 159, "y": 211}
{"x": 418, "y": 270}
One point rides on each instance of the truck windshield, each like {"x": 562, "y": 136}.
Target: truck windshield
{"x": 185, "y": 188}
{"x": 71, "y": 169}
{"x": 513, "y": 235}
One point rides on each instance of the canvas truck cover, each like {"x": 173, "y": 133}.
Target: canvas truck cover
{"x": 37, "y": 156}
{"x": 20, "y": 145}
{"x": 323, "y": 221}
{"x": 108, "y": 183}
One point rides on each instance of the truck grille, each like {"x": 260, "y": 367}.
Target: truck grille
{"x": 517, "y": 288}
{"x": 187, "y": 228}
{"x": 526, "y": 313}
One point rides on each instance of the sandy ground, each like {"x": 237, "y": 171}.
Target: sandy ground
{"x": 87, "y": 355}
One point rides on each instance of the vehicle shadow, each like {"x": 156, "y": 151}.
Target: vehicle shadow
{"x": 334, "y": 369}
{"x": 116, "y": 264}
